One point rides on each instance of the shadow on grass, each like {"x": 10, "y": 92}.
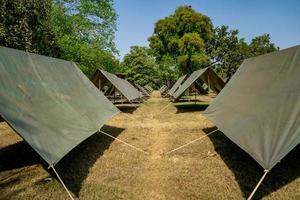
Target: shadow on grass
{"x": 127, "y": 108}
{"x": 247, "y": 171}
{"x": 18, "y": 155}
{"x": 73, "y": 168}
{"x": 190, "y": 107}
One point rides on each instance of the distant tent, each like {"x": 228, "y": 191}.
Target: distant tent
{"x": 163, "y": 88}
{"x": 259, "y": 108}
{"x": 176, "y": 85}
{"x": 49, "y": 102}
{"x": 101, "y": 77}
{"x": 207, "y": 75}
{"x": 141, "y": 89}
{"x": 149, "y": 88}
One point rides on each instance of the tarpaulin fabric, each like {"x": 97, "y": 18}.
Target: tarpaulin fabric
{"x": 142, "y": 90}
{"x": 207, "y": 75}
{"x": 259, "y": 108}
{"x": 149, "y": 88}
{"x": 164, "y": 89}
{"x": 49, "y": 102}
{"x": 176, "y": 85}
{"x": 128, "y": 91}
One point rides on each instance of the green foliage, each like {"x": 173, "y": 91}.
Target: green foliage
{"x": 261, "y": 45}
{"x": 183, "y": 36}
{"x": 227, "y": 51}
{"x": 167, "y": 71}
{"x": 140, "y": 66}
{"x": 85, "y": 32}
{"x": 25, "y": 25}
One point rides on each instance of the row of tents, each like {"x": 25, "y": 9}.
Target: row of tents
{"x": 53, "y": 106}
{"x": 201, "y": 81}
{"x": 259, "y": 108}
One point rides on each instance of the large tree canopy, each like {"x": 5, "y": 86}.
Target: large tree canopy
{"x": 183, "y": 35}
{"x": 140, "y": 66}
{"x": 25, "y": 25}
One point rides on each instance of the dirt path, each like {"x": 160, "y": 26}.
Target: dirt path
{"x": 156, "y": 132}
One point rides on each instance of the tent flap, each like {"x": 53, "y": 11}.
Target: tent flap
{"x": 49, "y": 102}
{"x": 176, "y": 85}
{"x": 122, "y": 85}
{"x": 259, "y": 109}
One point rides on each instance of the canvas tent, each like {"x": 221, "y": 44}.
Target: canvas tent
{"x": 149, "y": 88}
{"x": 163, "y": 89}
{"x": 49, "y": 102}
{"x": 176, "y": 85}
{"x": 141, "y": 89}
{"x": 101, "y": 77}
{"x": 259, "y": 109}
{"x": 207, "y": 75}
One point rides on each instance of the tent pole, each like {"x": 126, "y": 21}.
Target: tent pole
{"x": 62, "y": 182}
{"x": 136, "y": 148}
{"x": 258, "y": 184}
{"x": 191, "y": 142}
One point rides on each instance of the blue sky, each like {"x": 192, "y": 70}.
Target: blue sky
{"x": 280, "y": 18}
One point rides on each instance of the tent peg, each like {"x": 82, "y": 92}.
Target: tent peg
{"x": 70, "y": 195}
{"x": 266, "y": 171}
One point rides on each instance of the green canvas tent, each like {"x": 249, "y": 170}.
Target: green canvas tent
{"x": 207, "y": 75}
{"x": 101, "y": 77}
{"x": 149, "y": 88}
{"x": 163, "y": 89}
{"x": 259, "y": 108}
{"x": 49, "y": 102}
{"x": 141, "y": 89}
{"x": 176, "y": 85}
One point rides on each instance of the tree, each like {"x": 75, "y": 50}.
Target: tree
{"x": 261, "y": 45}
{"x": 227, "y": 51}
{"x": 140, "y": 66}
{"x": 85, "y": 32}
{"x": 25, "y": 25}
{"x": 183, "y": 36}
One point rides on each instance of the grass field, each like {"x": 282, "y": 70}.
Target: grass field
{"x": 101, "y": 168}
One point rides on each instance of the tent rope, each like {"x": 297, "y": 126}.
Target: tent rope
{"x": 191, "y": 142}
{"x": 62, "y": 182}
{"x": 161, "y": 111}
{"x": 136, "y": 148}
{"x": 258, "y": 184}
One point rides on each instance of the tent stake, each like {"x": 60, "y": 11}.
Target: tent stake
{"x": 258, "y": 184}
{"x": 136, "y": 148}
{"x": 191, "y": 142}
{"x": 62, "y": 182}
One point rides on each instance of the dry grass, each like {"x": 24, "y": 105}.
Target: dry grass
{"x": 101, "y": 168}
